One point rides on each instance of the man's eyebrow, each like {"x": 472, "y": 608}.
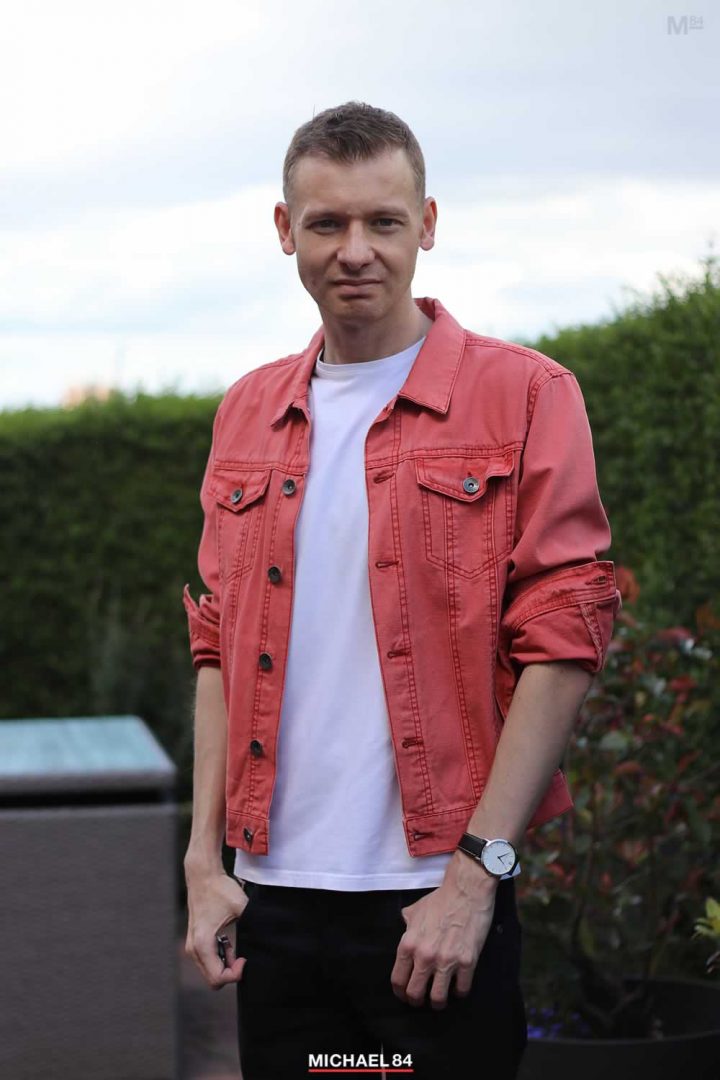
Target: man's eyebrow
{"x": 383, "y": 211}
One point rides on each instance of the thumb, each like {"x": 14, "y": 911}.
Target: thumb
{"x": 234, "y": 971}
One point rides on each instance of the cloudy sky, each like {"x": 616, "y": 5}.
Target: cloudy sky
{"x": 571, "y": 148}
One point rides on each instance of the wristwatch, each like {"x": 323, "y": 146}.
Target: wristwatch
{"x": 497, "y": 857}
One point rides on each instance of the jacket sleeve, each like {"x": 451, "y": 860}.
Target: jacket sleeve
{"x": 561, "y": 600}
{"x": 204, "y": 618}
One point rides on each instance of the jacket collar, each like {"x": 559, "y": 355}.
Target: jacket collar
{"x": 430, "y": 380}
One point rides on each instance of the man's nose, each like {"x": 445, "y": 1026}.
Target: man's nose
{"x": 355, "y": 250}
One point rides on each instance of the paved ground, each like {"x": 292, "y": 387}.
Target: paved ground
{"x": 208, "y": 1038}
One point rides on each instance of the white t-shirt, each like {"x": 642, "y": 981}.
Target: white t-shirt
{"x": 335, "y": 813}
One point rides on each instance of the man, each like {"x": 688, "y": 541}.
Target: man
{"x": 405, "y": 611}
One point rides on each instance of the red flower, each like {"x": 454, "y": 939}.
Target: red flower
{"x": 706, "y": 618}
{"x": 626, "y": 767}
{"x": 674, "y": 635}
{"x": 672, "y": 729}
{"x": 682, "y": 683}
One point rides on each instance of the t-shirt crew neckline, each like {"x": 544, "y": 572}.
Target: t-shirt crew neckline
{"x": 362, "y": 368}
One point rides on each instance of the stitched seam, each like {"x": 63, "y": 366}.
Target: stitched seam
{"x": 254, "y": 728}
{"x": 446, "y": 556}
{"x": 409, "y": 657}
{"x": 537, "y": 386}
{"x": 231, "y": 464}
{"x": 451, "y": 812}
{"x": 589, "y": 614}
{"x": 468, "y": 742}
{"x": 573, "y": 599}
{"x": 494, "y": 343}
{"x": 557, "y": 584}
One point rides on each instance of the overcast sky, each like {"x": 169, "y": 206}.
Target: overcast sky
{"x": 573, "y": 150}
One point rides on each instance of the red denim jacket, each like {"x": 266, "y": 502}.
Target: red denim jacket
{"x": 485, "y": 526}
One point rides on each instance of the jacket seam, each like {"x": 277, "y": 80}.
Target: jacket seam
{"x": 589, "y": 614}
{"x": 409, "y": 656}
{"x": 537, "y": 387}
{"x": 471, "y": 750}
{"x": 450, "y": 811}
{"x": 546, "y": 362}
{"x": 294, "y": 466}
{"x": 571, "y": 599}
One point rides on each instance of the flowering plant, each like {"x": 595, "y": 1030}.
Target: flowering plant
{"x": 709, "y": 926}
{"x": 605, "y": 892}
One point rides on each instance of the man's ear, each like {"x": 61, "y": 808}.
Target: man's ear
{"x": 427, "y": 236}
{"x": 282, "y": 224}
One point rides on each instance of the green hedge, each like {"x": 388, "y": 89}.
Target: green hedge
{"x": 101, "y": 524}
{"x": 651, "y": 381}
{"x": 101, "y": 515}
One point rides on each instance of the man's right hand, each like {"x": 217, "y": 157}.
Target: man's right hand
{"x": 214, "y": 901}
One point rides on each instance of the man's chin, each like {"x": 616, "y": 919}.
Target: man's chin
{"x": 352, "y": 309}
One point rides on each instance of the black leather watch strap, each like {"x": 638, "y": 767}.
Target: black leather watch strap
{"x": 471, "y": 845}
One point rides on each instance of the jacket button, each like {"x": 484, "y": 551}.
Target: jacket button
{"x": 248, "y": 834}
{"x": 288, "y": 487}
{"x": 265, "y": 661}
{"x": 236, "y": 496}
{"x": 471, "y": 484}
{"x": 256, "y": 747}
{"x": 275, "y": 574}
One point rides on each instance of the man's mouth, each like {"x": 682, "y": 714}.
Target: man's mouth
{"x": 356, "y": 284}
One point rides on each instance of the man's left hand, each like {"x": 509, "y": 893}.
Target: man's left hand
{"x": 446, "y": 932}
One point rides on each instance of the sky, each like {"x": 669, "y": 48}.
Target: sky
{"x": 573, "y": 151}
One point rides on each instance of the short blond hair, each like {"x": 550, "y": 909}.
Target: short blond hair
{"x": 353, "y": 132}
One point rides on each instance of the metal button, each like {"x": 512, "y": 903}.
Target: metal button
{"x": 236, "y": 495}
{"x": 265, "y": 661}
{"x": 248, "y": 834}
{"x": 256, "y": 748}
{"x": 288, "y": 487}
{"x": 471, "y": 484}
{"x": 275, "y": 574}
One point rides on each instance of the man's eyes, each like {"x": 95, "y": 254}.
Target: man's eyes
{"x": 326, "y": 224}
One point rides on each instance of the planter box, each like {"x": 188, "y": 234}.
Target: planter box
{"x": 88, "y": 904}
{"x": 690, "y": 1013}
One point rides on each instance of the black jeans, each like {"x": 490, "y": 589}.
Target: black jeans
{"x": 317, "y": 981}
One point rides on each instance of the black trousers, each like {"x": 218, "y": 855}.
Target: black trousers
{"x": 317, "y": 982}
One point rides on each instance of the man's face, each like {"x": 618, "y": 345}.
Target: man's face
{"x": 356, "y": 229}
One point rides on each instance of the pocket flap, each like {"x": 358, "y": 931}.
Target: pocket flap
{"x": 236, "y": 489}
{"x": 463, "y": 478}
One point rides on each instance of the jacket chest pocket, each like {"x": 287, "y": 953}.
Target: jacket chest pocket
{"x": 466, "y": 507}
{"x": 240, "y": 498}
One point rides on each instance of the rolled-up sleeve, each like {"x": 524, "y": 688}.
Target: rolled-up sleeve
{"x": 561, "y": 598}
{"x": 204, "y": 617}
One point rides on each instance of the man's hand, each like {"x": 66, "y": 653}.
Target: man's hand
{"x": 446, "y": 932}
{"x": 214, "y": 901}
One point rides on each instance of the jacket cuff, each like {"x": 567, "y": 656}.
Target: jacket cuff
{"x": 204, "y": 629}
{"x": 567, "y": 615}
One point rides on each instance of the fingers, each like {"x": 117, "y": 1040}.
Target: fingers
{"x": 418, "y": 982}
{"x": 463, "y": 979}
{"x": 215, "y": 904}
{"x": 214, "y": 954}
{"x": 401, "y": 972}
{"x": 411, "y": 976}
{"x": 216, "y": 973}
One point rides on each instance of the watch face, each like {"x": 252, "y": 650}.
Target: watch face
{"x": 498, "y": 857}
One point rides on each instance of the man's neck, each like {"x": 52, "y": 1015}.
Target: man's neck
{"x": 348, "y": 343}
